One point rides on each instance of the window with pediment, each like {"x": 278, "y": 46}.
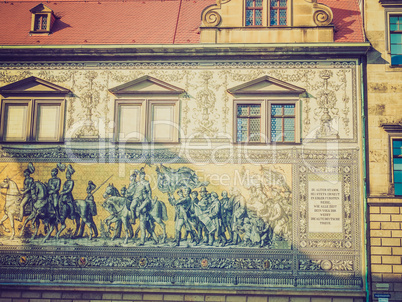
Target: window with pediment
{"x": 266, "y": 110}
{"x": 146, "y": 110}
{"x": 32, "y": 110}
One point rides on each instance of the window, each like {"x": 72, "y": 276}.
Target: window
{"x": 40, "y": 22}
{"x": 146, "y": 120}
{"x": 266, "y": 121}
{"x": 248, "y": 123}
{"x": 253, "y": 12}
{"x": 397, "y": 165}
{"x": 32, "y": 120}
{"x": 278, "y": 13}
{"x": 395, "y": 34}
{"x": 283, "y": 122}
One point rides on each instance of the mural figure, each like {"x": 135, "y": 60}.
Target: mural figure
{"x": 87, "y": 210}
{"x": 263, "y": 219}
{"x": 119, "y": 212}
{"x": 53, "y": 186}
{"x": 26, "y": 191}
{"x": 66, "y": 203}
{"x": 12, "y": 204}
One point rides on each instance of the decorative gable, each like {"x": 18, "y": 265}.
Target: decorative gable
{"x": 33, "y": 85}
{"x": 267, "y": 21}
{"x": 266, "y": 85}
{"x": 146, "y": 85}
{"x": 42, "y": 19}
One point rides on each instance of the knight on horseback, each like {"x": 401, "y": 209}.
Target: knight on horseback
{"x": 26, "y": 191}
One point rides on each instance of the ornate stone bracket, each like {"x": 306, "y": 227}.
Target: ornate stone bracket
{"x": 210, "y": 17}
{"x": 322, "y": 14}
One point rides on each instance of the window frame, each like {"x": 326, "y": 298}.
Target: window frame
{"x": 278, "y": 8}
{"x": 254, "y": 9}
{"x": 389, "y": 12}
{"x": 146, "y": 104}
{"x": 31, "y": 133}
{"x": 266, "y": 103}
{"x": 392, "y": 157}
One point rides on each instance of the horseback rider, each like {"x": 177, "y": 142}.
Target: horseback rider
{"x": 90, "y": 198}
{"x": 26, "y": 191}
{"x": 53, "y": 186}
{"x": 66, "y": 195}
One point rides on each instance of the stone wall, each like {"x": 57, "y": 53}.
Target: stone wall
{"x": 124, "y": 295}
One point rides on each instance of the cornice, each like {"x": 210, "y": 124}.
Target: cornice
{"x": 197, "y": 51}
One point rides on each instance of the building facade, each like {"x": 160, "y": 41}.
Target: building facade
{"x": 217, "y": 155}
{"x": 384, "y": 133}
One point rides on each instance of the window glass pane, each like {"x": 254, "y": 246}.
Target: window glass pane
{"x": 398, "y": 164}
{"x": 396, "y": 60}
{"x": 242, "y": 110}
{"x": 393, "y": 27}
{"x": 289, "y": 124}
{"x": 396, "y": 49}
{"x": 129, "y": 122}
{"x": 397, "y": 176}
{"x": 249, "y": 18}
{"x": 282, "y": 3}
{"x": 274, "y": 2}
{"x": 282, "y": 17}
{"x": 163, "y": 123}
{"x": 16, "y": 119}
{"x": 255, "y": 109}
{"x": 242, "y": 129}
{"x": 289, "y": 136}
{"x": 289, "y": 109}
{"x": 258, "y": 17}
{"x": 276, "y": 110}
{"x": 274, "y": 20}
{"x": 255, "y": 129}
{"x": 397, "y": 143}
{"x": 398, "y": 188}
{"x": 48, "y": 123}
{"x": 396, "y": 38}
{"x": 393, "y": 19}
{"x": 258, "y": 3}
{"x": 249, "y": 3}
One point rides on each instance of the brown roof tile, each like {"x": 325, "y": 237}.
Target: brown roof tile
{"x": 137, "y": 22}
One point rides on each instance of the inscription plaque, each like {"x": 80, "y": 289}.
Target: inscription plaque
{"x": 325, "y": 207}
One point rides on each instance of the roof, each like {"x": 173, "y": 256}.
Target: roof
{"x": 137, "y": 22}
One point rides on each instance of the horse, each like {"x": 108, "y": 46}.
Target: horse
{"x": 119, "y": 211}
{"x": 84, "y": 210}
{"x": 158, "y": 213}
{"x": 13, "y": 199}
{"x": 42, "y": 210}
{"x": 68, "y": 210}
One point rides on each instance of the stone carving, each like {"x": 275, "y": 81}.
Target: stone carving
{"x": 205, "y": 110}
{"x": 210, "y": 17}
{"x": 326, "y": 100}
{"x": 322, "y": 14}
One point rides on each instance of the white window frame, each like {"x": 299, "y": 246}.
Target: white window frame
{"x": 266, "y": 104}
{"x": 145, "y": 132}
{"x": 32, "y": 122}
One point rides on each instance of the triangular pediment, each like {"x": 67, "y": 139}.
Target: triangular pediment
{"x": 41, "y": 8}
{"x": 33, "y": 85}
{"x": 266, "y": 85}
{"x": 146, "y": 85}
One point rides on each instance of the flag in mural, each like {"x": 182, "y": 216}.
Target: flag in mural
{"x": 169, "y": 179}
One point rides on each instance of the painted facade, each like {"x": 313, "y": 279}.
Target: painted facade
{"x": 224, "y": 169}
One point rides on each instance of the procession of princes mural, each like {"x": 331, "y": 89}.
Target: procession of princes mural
{"x": 45, "y": 210}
